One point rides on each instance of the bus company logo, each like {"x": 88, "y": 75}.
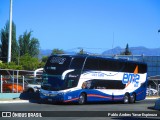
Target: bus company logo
{"x": 58, "y": 60}
{"x": 6, "y": 114}
{"x": 131, "y": 78}
{"x": 98, "y": 74}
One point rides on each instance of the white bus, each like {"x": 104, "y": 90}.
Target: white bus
{"x": 83, "y": 78}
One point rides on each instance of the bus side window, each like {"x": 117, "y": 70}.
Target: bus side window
{"x": 86, "y": 85}
{"x": 91, "y": 64}
{"x": 70, "y": 83}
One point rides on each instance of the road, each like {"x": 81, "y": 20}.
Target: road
{"x": 78, "y": 112}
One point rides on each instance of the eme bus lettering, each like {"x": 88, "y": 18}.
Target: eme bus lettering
{"x": 131, "y": 78}
{"x": 58, "y": 60}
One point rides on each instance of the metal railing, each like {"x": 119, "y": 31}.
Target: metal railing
{"x": 11, "y": 85}
{"x": 14, "y": 81}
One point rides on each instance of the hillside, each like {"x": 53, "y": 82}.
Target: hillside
{"x": 116, "y": 51}
{"x": 135, "y": 51}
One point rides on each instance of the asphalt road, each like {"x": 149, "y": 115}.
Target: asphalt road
{"x": 95, "y": 111}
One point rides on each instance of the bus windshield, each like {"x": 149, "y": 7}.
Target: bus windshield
{"x": 56, "y": 65}
{"x": 54, "y": 78}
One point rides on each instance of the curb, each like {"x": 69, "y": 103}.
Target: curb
{"x": 14, "y": 101}
{"x": 152, "y": 98}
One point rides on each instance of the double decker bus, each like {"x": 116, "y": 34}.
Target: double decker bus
{"x": 84, "y": 78}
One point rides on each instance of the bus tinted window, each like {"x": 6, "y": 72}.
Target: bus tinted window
{"x": 103, "y": 84}
{"x": 57, "y": 64}
{"x": 111, "y": 65}
{"x": 130, "y": 67}
{"x": 91, "y": 64}
{"x": 77, "y": 63}
{"x": 142, "y": 68}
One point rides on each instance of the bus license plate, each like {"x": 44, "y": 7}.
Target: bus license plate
{"x": 50, "y": 100}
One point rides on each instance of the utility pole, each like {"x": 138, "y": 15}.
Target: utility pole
{"x": 10, "y": 33}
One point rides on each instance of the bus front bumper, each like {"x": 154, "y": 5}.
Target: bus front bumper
{"x": 51, "y": 97}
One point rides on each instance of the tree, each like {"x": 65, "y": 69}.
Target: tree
{"x": 28, "y": 62}
{"x": 28, "y": 45}
{"x": 57, "y": 51}
{"x": 81, "y": 52}
{"x": 127, "y": 51}
{"x": 10, "y": 65}
{"x": 4, "y": 43}
{"x": 43, "y": 61}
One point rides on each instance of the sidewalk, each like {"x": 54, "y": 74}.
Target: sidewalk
{"x": 18, "y": 97}
{"x": 152, "y": 97}
{"x": 14, "y": 100}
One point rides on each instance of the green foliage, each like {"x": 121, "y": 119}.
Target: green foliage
{"x": 24, "y": 53}
{"x": 28, "y": 62}
{"x": 81, "y": 52}
{"x": 41, "y": 64}
{"x": 127, "y": 51}
{"x": 10, "y": 65}
{"x": 28, "y": 45}
{"x": 57, "y": 51}
{"x": 44, "y": 59}
{"x": 4, "y": 43}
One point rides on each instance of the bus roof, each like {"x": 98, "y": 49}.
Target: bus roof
{"x": 98, "y": 57}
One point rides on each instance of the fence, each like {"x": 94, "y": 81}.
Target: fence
{"x": 12, "y": 85}
{"x": 15, "y": 81}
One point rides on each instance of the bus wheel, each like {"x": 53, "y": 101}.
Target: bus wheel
{"x": 132, "y": 98}
{"x": 126, "y": 99}
{"x": 82, "y": 99}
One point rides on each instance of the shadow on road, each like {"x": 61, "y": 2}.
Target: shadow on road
{"x": 32, "y": 97}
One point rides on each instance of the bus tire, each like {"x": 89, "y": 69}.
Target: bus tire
{"x": 82, "y": 99}
{"x": 132, "y": 98}
{"x": 126, "y": 99}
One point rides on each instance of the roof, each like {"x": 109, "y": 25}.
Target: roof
{"x": 15, "y": 72}
{"x": 157, "y": 78}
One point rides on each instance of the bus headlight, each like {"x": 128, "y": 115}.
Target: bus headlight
{"x": 49, "y": 95}
{"x": 61, "y": 94}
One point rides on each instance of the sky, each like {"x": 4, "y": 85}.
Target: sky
{"x": 94, "y": 25}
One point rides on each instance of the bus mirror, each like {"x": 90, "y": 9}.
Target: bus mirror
{"x": 65, "y": 73}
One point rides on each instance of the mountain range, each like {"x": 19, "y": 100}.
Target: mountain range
{"x": 135, "y": 51}
{"x": 115, "y": 51}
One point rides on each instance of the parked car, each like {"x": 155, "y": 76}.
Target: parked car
{"x": 10, "y": 87}
{"x": 151, "y": 91}
{"x": 32, "y": 86}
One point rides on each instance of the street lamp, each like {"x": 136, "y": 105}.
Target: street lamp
{"x": 10, "y": 33}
